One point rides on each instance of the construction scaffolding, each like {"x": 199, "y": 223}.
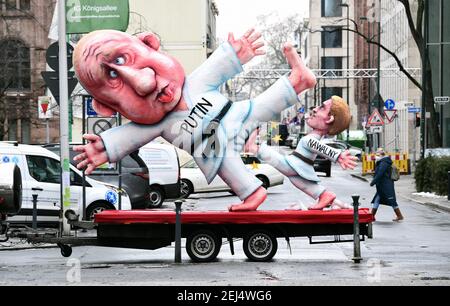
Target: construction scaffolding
{"x": 337, "y": 74}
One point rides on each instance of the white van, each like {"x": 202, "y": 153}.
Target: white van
{"x": 40, "y": 169}
{"x": 164, "y": 172}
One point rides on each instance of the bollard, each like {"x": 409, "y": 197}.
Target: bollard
{"x": 356, "y": 239}
{"x": 34, "y": 224}
{"x": 178, "y": 231}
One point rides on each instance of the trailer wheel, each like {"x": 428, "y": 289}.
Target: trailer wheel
{"x": 66, "y": 250}
{"x": 260, "y": 246}
{"x": 203, "y": 246}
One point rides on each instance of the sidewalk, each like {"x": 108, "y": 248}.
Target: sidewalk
{"x": 406, "y": 189}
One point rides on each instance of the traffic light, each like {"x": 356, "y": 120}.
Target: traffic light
{"x": 418, "y": 120}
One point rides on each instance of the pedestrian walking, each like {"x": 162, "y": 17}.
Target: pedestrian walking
{"x": 385, "y": 185}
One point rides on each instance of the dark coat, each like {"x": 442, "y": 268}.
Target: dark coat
{"x": 385, "y": 185}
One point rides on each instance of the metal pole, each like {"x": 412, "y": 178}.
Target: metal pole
{"x": 379, "y": 106}
{"x": 441, "y": 64}
{"x": 178, "y": 231}
{"x": 356, "y": 240}
{"x": 120, "y": 170}
{"x": 84, "y": 170}
{"x": 424, "y": 76}
{"x": 47, "y": 131}
{"x": 348, "y": 65}
{"x": 34, "y": 224}
{"x": 64, "y": 117}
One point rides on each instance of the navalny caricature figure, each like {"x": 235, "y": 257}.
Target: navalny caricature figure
{"x": 132, "y": 76}
{"x": 331, "y": 118}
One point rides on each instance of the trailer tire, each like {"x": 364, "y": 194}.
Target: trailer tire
{"x": 260, "y": 245}
{"x": 203, "y": 246}
{"x": 66, "y": 250}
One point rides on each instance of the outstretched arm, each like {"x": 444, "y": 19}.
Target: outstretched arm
{"x": 92, "y": 154}
{"x": 114, "y": 144}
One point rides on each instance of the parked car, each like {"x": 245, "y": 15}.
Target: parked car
{"x": 354, "y": 151}
{"x": 134, "y": 176}
{"x": 193, "y": 180}
{"x": 164, "y": 167}
{"x": 40, "y": 170}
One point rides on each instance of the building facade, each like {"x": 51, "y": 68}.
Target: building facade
{"x": 438, "y": 48}
{"x": 332, "y": 47}
{"x": 187, "y": 27}
{"x": 401, "y": 134}
{"x": 24, "y": 26}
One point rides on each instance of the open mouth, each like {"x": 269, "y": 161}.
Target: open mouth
{"x": 165, "y": 95}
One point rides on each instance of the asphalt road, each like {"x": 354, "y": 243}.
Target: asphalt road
{"x": 414, "y": 252}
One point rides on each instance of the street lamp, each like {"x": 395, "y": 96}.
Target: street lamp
{"x": 348, "y": 60}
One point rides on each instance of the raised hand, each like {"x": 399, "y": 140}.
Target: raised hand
{"x": 247, "y": 47}
{"x": 347, "y": 161}
{"x": 301, "y": 77}
{"x": 92, "y": 154}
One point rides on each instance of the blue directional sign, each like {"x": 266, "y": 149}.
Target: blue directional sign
{"x": 301, "y": 110}
{"x": 389, "y": 104}
{"x": 89, "y": 108}
{"x": 414, "y": 110}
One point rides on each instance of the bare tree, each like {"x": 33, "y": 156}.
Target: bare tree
{"x": 416, "y": 28}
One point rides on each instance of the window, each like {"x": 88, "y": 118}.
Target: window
{"x": 328, "y": 92}
{"x": 11, "y": 5}
{"x": 44, "y": 169}
{"x": 25, "y": 5}
{"x": 331, "y": 8}
{"x": 15, "y": 70}
{"x": 332, "y": 37}
{"x": 47, "y": 170}
{"x": 332, "y": 63}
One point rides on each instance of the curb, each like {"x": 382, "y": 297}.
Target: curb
{"x": 429, "y": 204}
{"x": 5, "y": 249}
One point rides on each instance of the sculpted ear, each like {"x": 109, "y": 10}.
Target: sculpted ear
{"x": 102, "y": 109}
{"x": 150, "y": 39}
{"x": 331, "y": 120}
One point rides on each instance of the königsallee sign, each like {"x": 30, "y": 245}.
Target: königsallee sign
{"x": 84, "y": 16}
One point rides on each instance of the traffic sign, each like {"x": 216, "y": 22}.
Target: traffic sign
{"x": 98, "y": 125}
{"x": 90, "y": 111}
{"x": 390, "y": 115}
{"x": 51, "y": 78}
{"x": 414, "y": 110}
{"x": 44, "y": 107}
{"x": 375, "y": 119}
{"x": 389, "y": 104}
{"x": 376, "y": 130}
{"x": 441, "y": 100}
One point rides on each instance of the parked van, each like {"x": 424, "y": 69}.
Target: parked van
{"x": 40, "y": 169}
{"x": 164, "y": 172}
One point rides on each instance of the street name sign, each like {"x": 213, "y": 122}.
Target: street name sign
{"x": 414, "y": 110}
{"x": 441, "y": 100}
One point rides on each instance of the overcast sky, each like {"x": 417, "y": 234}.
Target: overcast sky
{"x": 239, "y": 15}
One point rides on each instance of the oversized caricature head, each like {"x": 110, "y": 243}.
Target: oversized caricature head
{"x": 332, "y": 117}
{"x": 129, "y": 75}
